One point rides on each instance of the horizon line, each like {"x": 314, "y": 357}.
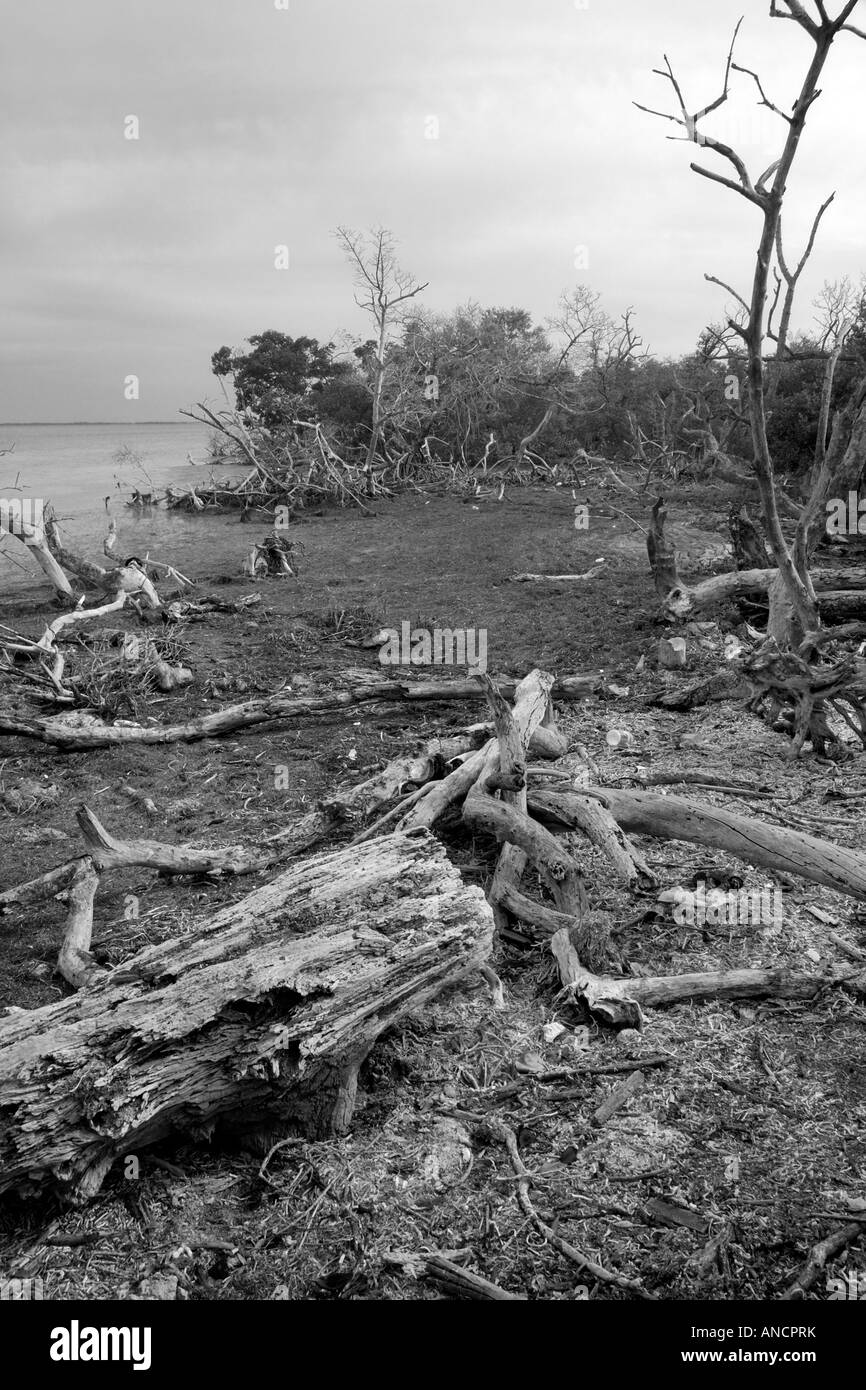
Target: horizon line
{"x": 16, "y": 424}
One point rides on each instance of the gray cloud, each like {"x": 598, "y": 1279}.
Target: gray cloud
{"x": 261, "y": 127}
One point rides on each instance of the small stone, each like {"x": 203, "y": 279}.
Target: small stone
{"x": 812, "y": 954}
{"x": 551, "y": 1031}
{"x": 672, "y": 652}
{"x": 619, "y": 738}
{"x": 733, "y": 647}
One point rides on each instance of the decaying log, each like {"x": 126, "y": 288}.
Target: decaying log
{"x": 129, "y": 578}
{"x": 106, "y": 852}
{"x": 825, "y": 1250}
{"x": 75, "y": 962}
{"x": 413, "y": 769}
{"x": 258, "y": 1020}
{"x": 677, "y": 818}
{"x": 82, "y": 731}
{"x": 452, "y": 789}
{"x": 109, "y": 853}
{"x": 561, "y": 874}
{"x": 514, "y": 729}
{"x": 838, "y": 591}
{"x": 33, "y": 536}
{"x": 595, "y": 820}
{"x": 545, "y": 741}
{"x": 530, "y": 578}
{"x": 681, "y": 600}
{"x": 522, "y": 838}
{"x": 620, "y": 1001}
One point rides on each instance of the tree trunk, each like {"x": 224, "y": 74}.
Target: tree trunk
{"x": 824, "y": 412}
{"x": 256, "y": 1023}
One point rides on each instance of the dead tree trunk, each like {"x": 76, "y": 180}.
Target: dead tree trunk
{"x": 258, "y": 1022}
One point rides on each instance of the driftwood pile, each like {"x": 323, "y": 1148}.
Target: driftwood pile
{"x": 259, "y": 1019}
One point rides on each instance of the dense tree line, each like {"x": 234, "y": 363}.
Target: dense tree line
{"x": 489, "y": 385}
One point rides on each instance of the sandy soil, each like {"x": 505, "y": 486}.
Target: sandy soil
{"x": 754, "y": 1125}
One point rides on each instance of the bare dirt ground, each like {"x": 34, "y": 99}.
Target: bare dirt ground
{"x": 754, "y": 1124}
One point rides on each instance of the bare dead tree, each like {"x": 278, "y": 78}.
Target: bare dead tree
{"x": 382, "y": 290}
{"x": 784, "y": 274}
{"x": 836, "y": 313}
{"x": 595, "y": 350}
{"x": 794, "y": 596}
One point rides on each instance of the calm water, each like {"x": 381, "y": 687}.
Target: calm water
{"x": 75, "y": 467}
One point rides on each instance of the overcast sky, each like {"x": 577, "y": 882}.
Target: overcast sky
{"x": 261, "y": 126}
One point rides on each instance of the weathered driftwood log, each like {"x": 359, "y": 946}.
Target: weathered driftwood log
{"x": 523, "y": 839}
{"x": 256, "y": 1022}
{"x": 681, "y": 599}
{"x": 531, "y": 578}
{"x": 33, "y": 536}
{"x": 545, "y": 741}
{"x": 514, "y": 729}
{"x": 129, "y": 578}
{"x": 620, "y": 1001}
{"x": 414, "y": 769}
{"x": 80, "y": 731}
{"x": 677, "y": 818}
{"x": 46, "y": 648}
{"x": 586, "y": 813}
{"x": 106, "y": 852}
{"x": 839, "y": 591}
{"x": 452, "y": 789}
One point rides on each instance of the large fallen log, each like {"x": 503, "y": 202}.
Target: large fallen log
{"x": 839, "y": 590}
{"x": 81, "y": 731}
{"x": 255, "y": 1024}
{"x": 677, "y": 818}
{"x": 681, "y": 600}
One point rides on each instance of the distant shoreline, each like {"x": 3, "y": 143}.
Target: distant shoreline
{"x": 19, "y": 424}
